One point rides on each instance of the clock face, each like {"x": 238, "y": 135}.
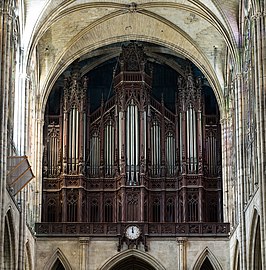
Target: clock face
{"x": 132, "y": 232}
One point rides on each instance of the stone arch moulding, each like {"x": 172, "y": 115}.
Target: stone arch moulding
{"x": 100, "y": 35}
{"x": 236, "y": 255}
{"x": 58, "y": 254}
{"x": 9, "y": 232}
{"x": 252, "y": 239}
{"x": 132, "y": 252}
{"x": 28, "y": 255}
{"x": 206, "y": 253}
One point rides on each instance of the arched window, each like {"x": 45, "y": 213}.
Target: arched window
{"x": 206, "y": 265}
{"x": 156, "y": 210}
{"x": 108, "y": 210}
{"x": 72, "y": 207}
{"x": 193, "y": 201}
{"x": 257, "y": 248}
{"x": 58, "y": 265}
{"x": 170, "y": 210}
{"x": 94, "y": 209}
{"x": 7, "y": 248}
{"x": 132, "y": 263}
{"x": 132, "y": 207}
{"x": 9, "y": 242}
{"x": 51, "y": 210}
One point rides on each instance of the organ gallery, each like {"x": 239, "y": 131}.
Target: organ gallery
{"x": 137, "y": 154}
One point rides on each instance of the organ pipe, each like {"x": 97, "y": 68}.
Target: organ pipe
{"x": 53, "y": 148}
{"x": 211, "y": 153}
{"x": 156, "y": 148}
{"x": 170, "y": 153}
{"x": 95, "y": 154}
{"x": 120, "y": 139}
{"x": 109, "y": 148}
{"x": 191, "y": 140}
{"x": 133, "y": 130}
{"x": 73, "y": 141}
{"x": 132, "y": 144}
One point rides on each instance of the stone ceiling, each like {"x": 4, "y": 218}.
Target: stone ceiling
{"x": 204, "y": 31}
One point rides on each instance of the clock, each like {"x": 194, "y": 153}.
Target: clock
{"x": 132, "y": 232}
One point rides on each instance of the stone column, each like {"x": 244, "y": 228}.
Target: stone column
{"x": 181, "y": 253}
{"x": 260, "y": 97}
{"x": 84, "y": 253}
{"x": 226, "y": 141}
{"x": 6, "y": 24}
{"x": 38, "y": 143}
{"x": 240, "y": 167}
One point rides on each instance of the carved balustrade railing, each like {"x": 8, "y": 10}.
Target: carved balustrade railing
{"x": 149, "y": 229}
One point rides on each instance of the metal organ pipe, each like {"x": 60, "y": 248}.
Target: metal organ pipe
{"x": 188, "y": 140}
{"x": 180, "y": 143}
{"x": 109, "y": 148}
{"x": 132, "y": 143}
{"x": 191, "y": 140}
{"x": 158, "y": 145}
{"x": 194, "y": 134}
{"x": 53, "y": 150}
{"x": 170, "y": 153}
{"x": 95, "y": 154}
{"x": 136, "y": 139}
{"x": 73, "y": 140}
{"x": 144, "y": 134}
{"x": 120, "y": 143}
{"x": 84, "y": 136}
{"x": 70, "y": 120}
{"x": 156, "y": 148}
{"x": 76, "y": 142}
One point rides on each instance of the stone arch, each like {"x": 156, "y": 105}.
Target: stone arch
{"x": 145, "y": 257}
{"x": 236, "y": 258}
{"x": 255, "y": 258}
{"x": 99, "y": 35}
{"x": 28, "y": 257}
{"x": 9, "y": 242}
{"x": 57, "y": 256}
{"x": 206, "y": 253}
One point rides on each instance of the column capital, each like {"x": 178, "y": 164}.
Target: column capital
{"x": 181, "y": 240}
{"x": 84, "y": 240}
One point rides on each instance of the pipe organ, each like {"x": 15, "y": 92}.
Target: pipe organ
{"x": 132, "y": 159}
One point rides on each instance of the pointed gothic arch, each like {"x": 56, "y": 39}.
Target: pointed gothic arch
{"x": 255, "y": 258}
{"x": 236, "y": 258}
{"x": 207, "y": 257}
{"x": 28, "y": 257}
{"x": 9, "y": 242}
{"x": 57, "y": 258}
{"x": 130, "y": 254}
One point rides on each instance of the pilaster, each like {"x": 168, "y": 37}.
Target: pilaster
{"x": 259, "y": 20}
{"x": 6, "y": 24}
{"x": 84, "y": 252}
{"x": 181, "y": 253}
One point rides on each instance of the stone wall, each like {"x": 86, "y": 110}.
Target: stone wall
{"x": 101, "y": 254}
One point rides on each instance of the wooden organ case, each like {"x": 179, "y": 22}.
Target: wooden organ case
{"x": 132, "y": 159}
